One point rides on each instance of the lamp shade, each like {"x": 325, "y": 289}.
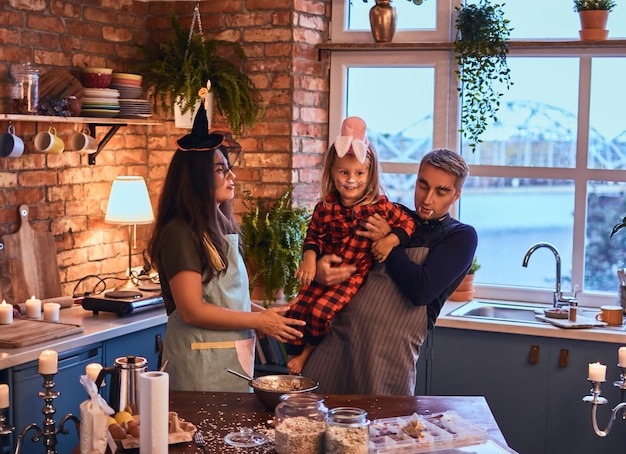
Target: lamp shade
{"x": 129, "y": 202}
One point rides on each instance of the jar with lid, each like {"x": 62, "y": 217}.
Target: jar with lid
{"x": 347, "y": 431}
{"x": 24, "y": 89}
{"x": 300, "y": 424}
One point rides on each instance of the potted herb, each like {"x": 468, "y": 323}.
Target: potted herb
{"x": 273, "y": 234}
{"x": 481, "y": 49}
{"x": 593, "y": 17}
{"x": 179, "y": 68}
{"x": 465, "y": 290}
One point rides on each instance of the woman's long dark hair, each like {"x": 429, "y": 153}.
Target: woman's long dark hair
{"x": 188, "y": 195}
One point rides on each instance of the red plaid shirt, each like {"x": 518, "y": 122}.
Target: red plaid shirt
{"x": 332, "y": 231}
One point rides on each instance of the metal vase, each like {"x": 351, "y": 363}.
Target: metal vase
{"x": 383, "y": 21}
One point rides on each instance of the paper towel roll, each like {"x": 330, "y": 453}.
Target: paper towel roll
{"x": 153, "y": 411}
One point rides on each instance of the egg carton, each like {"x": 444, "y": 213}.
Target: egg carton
{"x": 441, "y": 432}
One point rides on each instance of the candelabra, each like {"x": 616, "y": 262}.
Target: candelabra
{"x": 596, "y": 399}
{"x": 50, "y": 429}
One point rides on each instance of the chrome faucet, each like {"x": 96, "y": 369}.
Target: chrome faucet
{"x": 558, "y": 298}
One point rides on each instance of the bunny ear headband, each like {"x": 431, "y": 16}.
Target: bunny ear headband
{"x": 352, "y": 139}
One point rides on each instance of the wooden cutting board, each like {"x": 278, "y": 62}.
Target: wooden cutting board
{"x": 28, "y": 263}
{"x": 23, "y": 332}
{"x": 60, "y": 83}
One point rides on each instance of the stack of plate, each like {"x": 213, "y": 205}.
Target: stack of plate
{"x": 129, "y": 85}
{"x": 100, "y": 102}
{"x": 135, "y": 108}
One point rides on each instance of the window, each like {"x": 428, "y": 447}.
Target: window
{"x": 550, "y": 170}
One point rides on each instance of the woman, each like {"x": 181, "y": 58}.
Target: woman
{"x": 195, "y": 246}
{"x": 373, "y": 344}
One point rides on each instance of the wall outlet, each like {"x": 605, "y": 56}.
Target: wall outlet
{"x": 136, "y": 271}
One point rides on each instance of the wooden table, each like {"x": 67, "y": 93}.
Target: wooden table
{"x": 217, "y": 414}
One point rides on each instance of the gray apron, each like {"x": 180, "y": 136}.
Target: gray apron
{"x": 198, "y": 357}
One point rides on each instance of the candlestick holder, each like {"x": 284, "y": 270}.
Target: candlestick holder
{"x": 50, "y": 429}
{"x": 596, "y": 399}
{"x": 5, "y": 429}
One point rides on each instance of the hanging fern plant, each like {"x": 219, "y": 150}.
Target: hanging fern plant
{"x": 481, "y": 49}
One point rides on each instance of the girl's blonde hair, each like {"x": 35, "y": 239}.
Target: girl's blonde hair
{"x": 373, "y": 190}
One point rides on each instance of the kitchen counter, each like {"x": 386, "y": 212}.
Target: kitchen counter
{"x": 217, "y": 414}
{"x": 96, "y": 328}
{"x": 601, "y": 334}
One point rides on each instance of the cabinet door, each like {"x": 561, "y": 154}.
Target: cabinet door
{"x": 27, "y": 405}
{"x": 569, "y": 423}
{"x": 511, "y": 371}
{"x": 144, "y": 343}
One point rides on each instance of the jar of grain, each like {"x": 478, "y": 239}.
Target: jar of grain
{"x": 347, "y": 431}
{"x": 300, "y": 424}
{"x": 24, "y": 89}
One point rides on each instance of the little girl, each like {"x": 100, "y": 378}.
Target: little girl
{"x": 350, "y": 195}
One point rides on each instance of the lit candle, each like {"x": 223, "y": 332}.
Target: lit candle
{"x": 4, "y": 396}
{"x": 6, "y": 313}
{"x": 33, "y": 307}
{"x": 622, "y": 357}
{"x": 597, "y": 372}
{"x": 92, "y": 370}
{"x": 51, "y": 312}
{"x": 48, "y": 361}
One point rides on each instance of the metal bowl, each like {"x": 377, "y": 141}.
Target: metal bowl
{"x": 269, "y": 388}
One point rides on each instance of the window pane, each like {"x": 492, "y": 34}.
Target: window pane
{"x": 607, "y": 132}
{"x": 537, "y": 121}
{"x": 399, "y": 120}
{"x": 409, "y": 16}
{"x": 400, "y": 187}
{"x": 510, "y": 215}
{"x": 604, "y": 255}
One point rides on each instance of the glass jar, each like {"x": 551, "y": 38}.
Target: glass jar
{"x": 300, "y": 424}
{"x": 347, "y": 431}
{"x": 24, "y": 89}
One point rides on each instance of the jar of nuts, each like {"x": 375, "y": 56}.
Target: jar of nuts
{"x": 347, "y": 431}
{"x": 300, "y": 424}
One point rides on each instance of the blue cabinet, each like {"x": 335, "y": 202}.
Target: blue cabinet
{"x": 534, "y": 386}
{"x": 27, "y": 406}
{"x": 145, "y": 343}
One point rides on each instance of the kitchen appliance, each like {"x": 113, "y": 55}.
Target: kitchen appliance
{"x": 124, "y": 305}
{"x": 124, "y": 383}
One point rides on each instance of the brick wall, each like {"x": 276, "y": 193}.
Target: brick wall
{"x": 68, "y": 197}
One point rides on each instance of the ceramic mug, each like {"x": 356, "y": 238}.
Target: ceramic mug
{"x": 49, "y": 142}
{"x": 83, "y": 142}
{"x": 11, "y": 146}
{"x": 611, "y": 315}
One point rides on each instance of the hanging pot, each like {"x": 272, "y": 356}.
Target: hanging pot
{"x": 383, "y": 21}
{"x": 593, "y": 24}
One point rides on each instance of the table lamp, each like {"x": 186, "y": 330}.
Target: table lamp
{"x": 129, "y": 204}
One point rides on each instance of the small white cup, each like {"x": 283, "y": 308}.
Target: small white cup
{"x": 49, "y": 142}
{"x": 51, "y": 312}
{"x": 83, "y": 142}
{"x": 11, "y": 146}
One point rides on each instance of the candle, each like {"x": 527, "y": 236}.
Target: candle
{"x": 622, "y": 357}
{"x": 33, "y": 307}
{"x": 48, "y": 361}
{"x": 51, "y": 312}
{"x": 6, "y": 313}
{"x": 4, "y": 396}
{"x": 92, "y": 370}
{"x": 597, "y": 372}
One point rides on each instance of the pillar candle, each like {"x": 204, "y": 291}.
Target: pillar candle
{"x": 597, "y": 372}
{"x": 4, "y": 396}
{"x": 92, "y": 370}
{"x": 48, "y": 360}
{"x": 622, "y": 357}
{"x": 51, "y": 312}
{"x": 6, "y": 313}
{"x": 33, "y": 307}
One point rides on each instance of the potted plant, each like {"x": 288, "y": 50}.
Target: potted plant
{"x": 273, "y": 234}
{"x": 465, "y": 290}
{"x": 593, "y": 17}
{"x": 481, "y": 49}
{"x": 179, "y": 68}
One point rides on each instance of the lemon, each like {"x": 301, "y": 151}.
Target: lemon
{"x": 122, "y": 416}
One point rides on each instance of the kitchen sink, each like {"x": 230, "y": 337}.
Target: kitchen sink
{"x": 491, "y": 310}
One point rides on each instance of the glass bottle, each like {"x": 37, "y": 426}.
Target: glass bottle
{"x": 347, "y": 431}
{"x": 24, "y": 89}
{"x": 300, "y": 424}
